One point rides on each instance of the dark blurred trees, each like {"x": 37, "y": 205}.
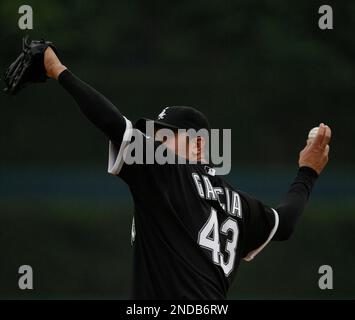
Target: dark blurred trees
{"x": 262, "y": 68}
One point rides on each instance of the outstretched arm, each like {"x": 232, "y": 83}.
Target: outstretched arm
{"x": 313, "y": 159}
{"x": 98, "y": 109}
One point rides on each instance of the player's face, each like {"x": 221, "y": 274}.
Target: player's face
{"x": 182, "y": 145}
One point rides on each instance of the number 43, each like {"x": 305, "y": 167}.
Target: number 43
{"x": 208, "y": 238}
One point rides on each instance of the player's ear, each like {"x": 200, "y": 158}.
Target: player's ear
{"x": 198, "y": 144}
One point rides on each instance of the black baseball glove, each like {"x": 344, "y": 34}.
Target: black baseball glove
{"x": 28, "y": 67}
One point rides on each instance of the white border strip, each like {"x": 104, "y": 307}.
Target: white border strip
{"x": 251, "y": 255}
{"x": 116, "y": 159}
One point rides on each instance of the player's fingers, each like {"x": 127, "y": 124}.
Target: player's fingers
{"x": 327, "y": 137}
{"x": 317, "y": 141}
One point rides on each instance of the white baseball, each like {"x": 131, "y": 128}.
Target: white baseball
{"x": 313, "y": 133}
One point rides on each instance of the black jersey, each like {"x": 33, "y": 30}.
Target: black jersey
{"x": 190, "y": 228}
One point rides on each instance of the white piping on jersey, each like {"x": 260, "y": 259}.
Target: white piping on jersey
{"x": 250, "y": 256}
{"x": 116, "y": 159}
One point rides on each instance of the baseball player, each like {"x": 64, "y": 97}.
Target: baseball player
{"x": 191, "y": 228}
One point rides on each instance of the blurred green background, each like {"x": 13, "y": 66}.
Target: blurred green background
{"x": 262, "y": 68}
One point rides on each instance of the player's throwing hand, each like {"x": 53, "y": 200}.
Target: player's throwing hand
{"x": 315, "y": 153}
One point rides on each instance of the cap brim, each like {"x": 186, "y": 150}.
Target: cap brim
{"x": 140, "y": 124}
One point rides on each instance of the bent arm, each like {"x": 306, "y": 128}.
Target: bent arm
{"x": 313, "y": 158}
{"x": 294, "y": 202}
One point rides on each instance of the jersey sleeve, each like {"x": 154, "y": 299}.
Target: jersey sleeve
{"x": 129, "y": 160}
{"x": 116, "y": 152}
{"x": 261, "y": 223}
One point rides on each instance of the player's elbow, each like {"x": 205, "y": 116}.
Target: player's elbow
{"x": 284, "y": 232}
{"x": 288, "y": 219}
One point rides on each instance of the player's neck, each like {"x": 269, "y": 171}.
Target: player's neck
{"x": 199, "y": 158}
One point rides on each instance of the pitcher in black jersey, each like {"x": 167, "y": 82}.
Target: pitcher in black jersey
{"x": 191, "y": 228}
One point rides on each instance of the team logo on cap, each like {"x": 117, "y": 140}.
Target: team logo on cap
{"x": 162, "y": 114}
